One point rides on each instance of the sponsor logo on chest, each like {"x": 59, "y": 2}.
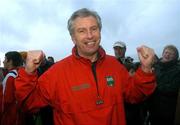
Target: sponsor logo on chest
{"x": 110, "y": 81}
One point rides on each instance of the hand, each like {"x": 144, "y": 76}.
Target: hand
{"x": 146, "y": 57}
{"x": 33, "y": 60}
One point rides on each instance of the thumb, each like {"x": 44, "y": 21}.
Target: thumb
{"x": 141, "y": 52}
{"x": 34, "y": 59}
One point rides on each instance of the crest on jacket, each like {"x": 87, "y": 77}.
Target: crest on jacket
{"x": 110, "y": 81}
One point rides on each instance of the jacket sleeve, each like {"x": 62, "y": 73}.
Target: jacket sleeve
{"x": 9, "y": 91}
{"x": 138, "y": 87}
{"x": 32, "y": 92}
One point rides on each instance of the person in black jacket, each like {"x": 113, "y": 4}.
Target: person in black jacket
{"x": 162, "y": 104}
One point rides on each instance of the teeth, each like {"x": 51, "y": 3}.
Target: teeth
{"x": 90, "y": 43}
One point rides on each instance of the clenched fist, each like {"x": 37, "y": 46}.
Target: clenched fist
{"x": 146, "y": 57}
{"x": 33, "y": 60}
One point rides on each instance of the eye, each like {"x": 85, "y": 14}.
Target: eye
{"x": 81, "y": 31}
{"x": 94, "y": 28}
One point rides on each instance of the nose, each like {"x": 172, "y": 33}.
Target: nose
{"x": 167, "y": 54}
{"x": 89, "y": 34}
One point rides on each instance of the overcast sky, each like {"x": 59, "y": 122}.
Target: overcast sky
{"x": 42, "y": 24}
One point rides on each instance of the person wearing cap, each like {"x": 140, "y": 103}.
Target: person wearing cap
{"x": 119, "y": 51}
{"x": 134, "y": 115}
{"x": 89, "y": 87}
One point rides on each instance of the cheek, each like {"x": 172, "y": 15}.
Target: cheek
{"x": 77, "y": 39}
{"x": 172, "y": 57}
{"x": 97, "y": 36}
{"x": 120, "y": 51}
{"x": 74, "y": 39}
{"x": 164, "y": 55}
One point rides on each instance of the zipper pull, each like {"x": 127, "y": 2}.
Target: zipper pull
{"x": 99, "y": 101}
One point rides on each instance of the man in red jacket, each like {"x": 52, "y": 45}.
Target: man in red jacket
{"x": 10, "y": 112}
{"x": 87, "y": 87}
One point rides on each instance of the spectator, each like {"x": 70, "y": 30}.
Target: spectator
{"x": 177, "y": 114}
{"x": 1, "y": 90}
{"x": 24, "y": 56}
{"x": 162, "y": 104}
{"x": 45, "y": 65}
{"x": 134, "y": 112}
{"x": 51, "y": 59}
{"x": 11, "y": 114}
{"x": 120, "y": 51}
{"x": 87, "y": 87}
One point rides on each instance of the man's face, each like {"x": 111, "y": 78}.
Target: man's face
{"x": 168, "y": 55}
{"x": 86, "y": 36}
{"x": 7, "y": 63}
{"x": 119, "y": 52}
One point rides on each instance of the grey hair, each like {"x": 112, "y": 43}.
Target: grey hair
{"x": 84, "y": 12}
{"x": 173, "y": 48}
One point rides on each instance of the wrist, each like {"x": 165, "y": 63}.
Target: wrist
{"x": 29, "y": 71}
{"x": 147, "y": 69}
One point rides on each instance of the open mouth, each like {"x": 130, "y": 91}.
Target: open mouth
{"x": 90, "y": 43}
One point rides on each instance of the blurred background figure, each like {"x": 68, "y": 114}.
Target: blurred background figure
{"x": 50, "y": 59}
{"x": 162, "y": 104}
{"x": 24, "y": 56}
{"x": 134, "y": 112}
{"x": 2, "y": 73}
{"x": 11, "y": 113}
{"x": 119, "y": 51}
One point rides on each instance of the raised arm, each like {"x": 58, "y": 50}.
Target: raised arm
{"x": 30, "y": 90}
{"x": 143, "y": 83}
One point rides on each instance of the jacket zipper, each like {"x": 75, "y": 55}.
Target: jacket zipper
{"x": 99, "y": 99}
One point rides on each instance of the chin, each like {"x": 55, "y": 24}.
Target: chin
{"x": 90, "y": 53}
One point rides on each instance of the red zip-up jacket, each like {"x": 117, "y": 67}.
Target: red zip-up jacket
{"x": 84, "y": 93}
{"x": 9, "y": 107}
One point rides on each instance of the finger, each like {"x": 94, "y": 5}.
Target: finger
{"x": 35, "y": 56}
{"x": 143, "y": 51}
{"x": 39, "y": 59}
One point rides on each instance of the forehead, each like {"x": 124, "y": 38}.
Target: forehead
{"x": 118, "y": 47}
{"x": 84, "y": 22}
{"x": 169, "y": 50}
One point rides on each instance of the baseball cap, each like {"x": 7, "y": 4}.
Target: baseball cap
{"x": 119, "y": 44}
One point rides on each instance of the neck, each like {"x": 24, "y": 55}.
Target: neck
{"x": 10, "y": 68}
{"x": 92, "y": 58}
